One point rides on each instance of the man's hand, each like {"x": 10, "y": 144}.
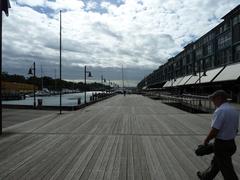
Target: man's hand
{"x": 212, "y": 134}
{"x": 206, "y": 141}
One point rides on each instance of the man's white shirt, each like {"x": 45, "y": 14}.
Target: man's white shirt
{"x": 226, "y": 120}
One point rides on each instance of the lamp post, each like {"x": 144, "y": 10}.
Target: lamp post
{"x": 4, "y": 5}
{"x": 85, "y": 82}
{"x": 109, "y": 83}
{"x": 123, "y": 88}
{"x": 32, "y": 71}
{"x": 55, "y": 81}
{"x": 103, "y": 81}
{"x": 200, "y": 76}
{"x": 60, "y": 63}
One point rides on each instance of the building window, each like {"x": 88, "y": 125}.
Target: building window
{"x": 199, "y": 53}
{"x": 184, "y": 61}
{"x": 227, "y": 56}
{"x": 207, "y": 49}
{"x": 221, "y": 58}
{"x": 224, "y": 41}
{"x": 208, "y": 62}
{"x": 237, "y": 53}
{"x": 236, "y": 33}
{"x": 236, "y": 19}
{"x": 221, "y": 29}
{"x": 187, "y": 69}
{"x": 224, "y": 27}
{"x": 224, "y": 57}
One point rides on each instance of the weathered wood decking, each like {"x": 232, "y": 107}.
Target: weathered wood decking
{"x": 122, "y": 138}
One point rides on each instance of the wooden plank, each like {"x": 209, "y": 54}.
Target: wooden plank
{"x": 14, "y": 145}
{"x": 97, "y": 171}
{"x": 16, "y": 163}
{"x": 90, "y": 164}
{"x": 166, "y": 162}
{"x": 155, "y": 168}
{"x": 81, "y": 163}
{"x": 107, "y": 155}
{"x": 123, "y": 164}
{"x": 73, "y": 158}
{"x": 130, "y": 159}
{"x": 58, "y": 161}
{"x": 32, "y": 125}
{"x": 109, "y": 169}
{"x": 48, "y": 160}
{"x": 117, "y": 161}
{"x": 187, "y": 165}
{"x": 144, "y": 166}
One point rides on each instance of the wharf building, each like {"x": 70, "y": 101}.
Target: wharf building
{"x": 211, "y": 62}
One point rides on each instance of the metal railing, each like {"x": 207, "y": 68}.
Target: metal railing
{"x": 195, "y": 102}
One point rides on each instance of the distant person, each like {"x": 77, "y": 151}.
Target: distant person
{"x": 224, "y": 129}
{"x": 124, "y": 93}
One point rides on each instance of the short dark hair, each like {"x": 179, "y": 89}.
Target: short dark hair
{"x": 219, "y": 93}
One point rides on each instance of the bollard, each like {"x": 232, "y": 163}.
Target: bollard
{"x": 79, "y": 101}
{"x": 39, "y": 102}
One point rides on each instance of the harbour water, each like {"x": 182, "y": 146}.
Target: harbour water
{"x": 67, "y": 99}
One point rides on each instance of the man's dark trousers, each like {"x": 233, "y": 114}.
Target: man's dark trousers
{"x": 222, "y": 160}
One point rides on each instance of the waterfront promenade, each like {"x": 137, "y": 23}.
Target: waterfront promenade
{"x": 121, "y": 138}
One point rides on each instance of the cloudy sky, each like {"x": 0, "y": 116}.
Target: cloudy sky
{"x": 104, "y": 35}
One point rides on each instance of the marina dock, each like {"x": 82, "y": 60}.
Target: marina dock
{"x": 121, "y": 138}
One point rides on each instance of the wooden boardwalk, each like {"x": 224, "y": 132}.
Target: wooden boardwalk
{"x": 122, "y": 138}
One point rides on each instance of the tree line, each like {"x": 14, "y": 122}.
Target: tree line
{"x": 53, "y": 84}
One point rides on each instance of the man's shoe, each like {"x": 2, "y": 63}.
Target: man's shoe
{"x": 200, "y": 176}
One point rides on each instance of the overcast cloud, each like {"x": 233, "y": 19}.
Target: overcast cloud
{"x": 139, "y": 35}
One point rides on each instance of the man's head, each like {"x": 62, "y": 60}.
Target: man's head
{"x": 218, "y": 97}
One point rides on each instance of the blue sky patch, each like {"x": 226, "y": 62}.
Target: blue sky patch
{"x": 49, "y": 12}
{"x": 98, "y": 7}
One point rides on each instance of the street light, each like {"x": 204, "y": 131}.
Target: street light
{"x": 103, "y": 81}
{"x": 110, "y": 83}
{"x": 200, "y": 76}
{"x": 32, "y": 71}
{"x": 60, "y": 61}
{"x": 85, "y": 79}
{"x": 4, "y": 5}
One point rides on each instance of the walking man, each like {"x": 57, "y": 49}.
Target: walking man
{"x": 224, "y": 129}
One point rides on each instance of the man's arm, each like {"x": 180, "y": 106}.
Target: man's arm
{"x": 212, "y": 134}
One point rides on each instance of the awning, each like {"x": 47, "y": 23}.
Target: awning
{"x": 230, "y": 72}
{"x": 193, "y": 79}
{"x": 210, "y": 75}
{"x": 184, "y": 80}
{"x": 178, "y": 80}
{"x": 168, "y": 84}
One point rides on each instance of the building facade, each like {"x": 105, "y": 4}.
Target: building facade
{"x": 217, "y": 48}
